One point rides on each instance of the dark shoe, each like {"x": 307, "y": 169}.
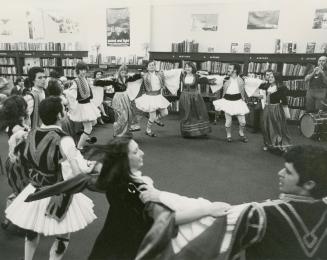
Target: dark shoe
{"x": 229, "y": 139}
{"x": 92, "y": 140}
{"x": 134, "y": 129}
{"x": 150, "y": 134}
{"x": 159, "y": 123}
{"x": 5, "y": 223}
{"x": 244, "y": 139}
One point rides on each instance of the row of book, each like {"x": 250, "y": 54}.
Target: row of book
{"x": 290, "y": 69}
{"x": 293, "y": 85}
{"x": 8, "y": 70}
{"x": 7, "y": 61}
{"x": 311, "y": 47}
{"x": 296, "y": 101}
{"x": 114, "y": 60}
{"x": 70, "y": 73}
{"x": 296, "y": 114}
{"x": 164, "y": 65}
{"x": 38, "y": 46}
{"x": 48, "y": 62}
{"x": 217, "y": 67}
{"x": 258, "y": 67}
{"x": 70, "y": 62}
{"x": 185, "y": 46}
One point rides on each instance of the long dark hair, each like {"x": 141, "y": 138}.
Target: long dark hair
{"x": 115, "y": 172}
{"x": 278, "y": 79}
{"x": 13, "y": 111}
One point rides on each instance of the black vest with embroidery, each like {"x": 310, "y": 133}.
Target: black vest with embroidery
{"x": 42, "y": 153}
{"x": 82, "y": 97}
{"x": 295, "y": 231}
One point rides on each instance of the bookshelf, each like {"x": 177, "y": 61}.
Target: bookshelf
{"x": 292, "y": 66}
{"x": 14, "y": 63}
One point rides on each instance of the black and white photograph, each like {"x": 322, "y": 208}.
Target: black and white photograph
{"x": 204, "y": 22}
{"x": 163, "y": 130}
{"x": 320, "y": 19}
{"x": 118, "y": 27}
{"x": 263, "y": 20}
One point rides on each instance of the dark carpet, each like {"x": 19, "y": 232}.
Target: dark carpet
{"x": 211, "y": 168}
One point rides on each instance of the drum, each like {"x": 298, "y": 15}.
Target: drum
{"x": 313, "y": 125}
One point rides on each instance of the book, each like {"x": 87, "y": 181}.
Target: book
{"x": 311, "y": 47}
{"x": 234, "y": 47}
{"x": 277, "y": 46}
{"x": 247, "y": 47}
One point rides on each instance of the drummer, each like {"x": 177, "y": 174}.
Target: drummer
{"x": 317, "y": 82}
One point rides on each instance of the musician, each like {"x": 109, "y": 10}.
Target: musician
{"x": 317, "y": 81}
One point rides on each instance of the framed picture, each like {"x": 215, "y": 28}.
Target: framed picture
{"x": 118, "y": 27}
{"x": 263, "y": 20}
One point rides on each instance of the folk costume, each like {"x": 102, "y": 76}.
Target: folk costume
{"x": 121, "y": 104}
{"x": 49, "y": 155}
{"x": 194, "y": 114}
{"x": 152, "y": 100}
{"x": 275, "y": 132}
{"x": 84, "y": 110}
{"x": 233, "y": 103}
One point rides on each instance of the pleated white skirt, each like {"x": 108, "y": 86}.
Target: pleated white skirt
{"x": 148, "y": 103}
{"x": 84, "y": 112}
{"x": 235, "y": 107}
{"x": 31, "y": 215}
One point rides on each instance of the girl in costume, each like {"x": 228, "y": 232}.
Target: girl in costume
{"x": 194, "y": 114}
{"x": 121, "y": 102}
{"x": 275, "y": 114}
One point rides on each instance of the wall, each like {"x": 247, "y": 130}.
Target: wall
{"x": 171, "y": 22}
{"x": 91, "y": 16}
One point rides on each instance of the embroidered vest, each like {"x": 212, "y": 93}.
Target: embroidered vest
{"x": 84, "y": 92}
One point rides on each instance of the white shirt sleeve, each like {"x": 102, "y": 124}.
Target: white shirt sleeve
{"x": 30, "y": 104}
{"x": 74, "y": 158}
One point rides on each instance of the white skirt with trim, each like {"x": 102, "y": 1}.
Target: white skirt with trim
{"x": 235, "y": 107}
{"x": 148, "y": 103}
{"x": 31, "y": 215}
{"x": 84, "y": 112}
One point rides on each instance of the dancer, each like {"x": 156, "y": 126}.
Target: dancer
{"x": 121, "y": 102}
{"x": 194, "y": 114}
{"x": 84, "y": 110}
{"x": 275, "y": 114}
{"x": 153, "y": 101}
{"x": 51, "y": 156}
{"x": 36, "y": 78}
{"x": 233, "y": 102}
{"x": 13, "y": 114}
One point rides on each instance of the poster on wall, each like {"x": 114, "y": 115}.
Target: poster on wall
{"x": 320, "y": 20}
{"x": 5, "y": 27}
{"x": 63, "y": 23}
{"x": 204, "y": 22}
{"x": 118, "y": 27}
{"x": 35, "y": 24}
{"x": 263, "y": 20}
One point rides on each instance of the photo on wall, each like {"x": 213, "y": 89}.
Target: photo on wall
{"x": 204, "y": 22}
{"x": 263, "y": 20}
{"x": 320, "y": 20}
{"x": 118, "y": 27}
{"x": 59, "y": 22}
{"x": 35, "y": 23}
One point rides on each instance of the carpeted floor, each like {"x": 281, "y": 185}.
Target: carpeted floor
{"x": 210, "y": 168}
